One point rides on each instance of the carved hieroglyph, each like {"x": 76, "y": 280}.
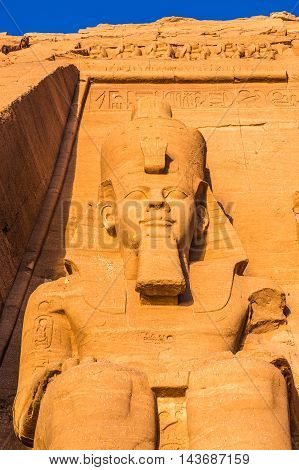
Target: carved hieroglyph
{"x": 159, "y": 341}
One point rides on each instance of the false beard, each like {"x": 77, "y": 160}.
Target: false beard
{"x": 159, "y": 267}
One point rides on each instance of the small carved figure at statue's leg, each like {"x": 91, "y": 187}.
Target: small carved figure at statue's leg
{"x": 97, "y": 405}
{"x": 238, "y": 404}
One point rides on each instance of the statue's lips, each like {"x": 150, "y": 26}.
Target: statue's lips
{"x": 157, "y": 222}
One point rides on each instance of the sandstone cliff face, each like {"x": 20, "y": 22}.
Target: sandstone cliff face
{"x": 33, "y": 116}
{"x": 234, "y": 81}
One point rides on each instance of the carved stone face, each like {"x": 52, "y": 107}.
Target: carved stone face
{"x": 156, "y": 207}
{"x": 155, "y": 220}
{"x": 151, "y": 171}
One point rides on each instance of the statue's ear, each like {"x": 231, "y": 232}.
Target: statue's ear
{"x": 108, "y": 218}
{"x": 202, "y": 218}
{"x": 107, "y": 207}
{"x": 201, "y": 206}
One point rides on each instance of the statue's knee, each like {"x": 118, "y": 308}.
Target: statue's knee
{"x": 115, "y": 400}
{"x": 237, "y": 404}
{"x": 114, "y": 385}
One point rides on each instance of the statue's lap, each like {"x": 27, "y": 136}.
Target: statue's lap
{"x": 153, "y": 350}
{"x": 117, "y": 400}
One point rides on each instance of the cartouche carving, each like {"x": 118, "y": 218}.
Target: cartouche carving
{"x": 157, "y": 317}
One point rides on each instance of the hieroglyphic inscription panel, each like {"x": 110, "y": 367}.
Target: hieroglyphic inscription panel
{"x": 123, "y": 97}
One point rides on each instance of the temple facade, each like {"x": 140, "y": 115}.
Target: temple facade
{"x": 149, "y": 291}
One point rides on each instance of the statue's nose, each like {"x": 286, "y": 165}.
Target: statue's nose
{"x": 158, "y": 205}
{"x": 157, "y": 201}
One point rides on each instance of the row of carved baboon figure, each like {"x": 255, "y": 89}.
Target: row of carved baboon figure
{"x": 187, "y": 51}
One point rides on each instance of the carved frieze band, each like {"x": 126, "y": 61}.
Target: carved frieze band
{"x": 124, "y": 99}
{"x": 188, "y": 51}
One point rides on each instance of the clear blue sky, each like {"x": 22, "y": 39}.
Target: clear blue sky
{"x": 19, "y": 16}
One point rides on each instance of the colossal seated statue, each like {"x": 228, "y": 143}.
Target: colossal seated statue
{"x": 156, "y": 321}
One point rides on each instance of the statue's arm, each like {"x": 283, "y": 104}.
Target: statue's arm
{"x": 46, "y": 342}
{"x": 268, "y": 336}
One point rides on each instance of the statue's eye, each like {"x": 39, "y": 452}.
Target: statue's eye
{"x": 137, "y": 195}
{"x": 175, "y": 194}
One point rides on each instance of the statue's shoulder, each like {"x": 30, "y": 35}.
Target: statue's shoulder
{"x": 251, "y": 285}
{"x": 100, "y": 287}
{"x": 56, "y": 289}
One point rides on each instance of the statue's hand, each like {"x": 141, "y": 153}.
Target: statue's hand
{"x": 28, "y": 398}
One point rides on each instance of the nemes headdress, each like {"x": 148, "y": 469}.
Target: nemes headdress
{"x": 153, "y": 142}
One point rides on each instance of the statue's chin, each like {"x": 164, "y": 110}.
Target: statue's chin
{"x": 159, "y": 269}
{"x": 161, "y": 287}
